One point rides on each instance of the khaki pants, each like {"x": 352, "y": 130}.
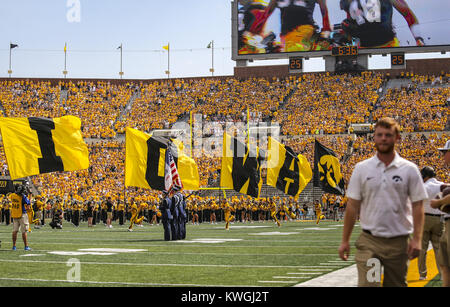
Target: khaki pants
{"x": 432, "y": 231}
{"x": 443, "y": 257}
{"x": 375, "y": 252}
{"x": 21, "y": 224}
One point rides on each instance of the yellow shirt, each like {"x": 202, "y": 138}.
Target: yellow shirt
{"x": 16, "y": 208}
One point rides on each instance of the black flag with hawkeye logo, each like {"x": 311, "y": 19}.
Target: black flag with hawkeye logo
{"x": 327, "y": 170}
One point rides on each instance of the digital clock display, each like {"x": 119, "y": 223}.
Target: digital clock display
{"x": 344, "y": 51}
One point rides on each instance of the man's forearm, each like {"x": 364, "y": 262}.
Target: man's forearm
{"x": 349, "y": 222}
{"x": 418, "y": 220}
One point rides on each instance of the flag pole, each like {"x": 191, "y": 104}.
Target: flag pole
{"x": 121, "y": 71}
{"x": 248, "y": 126}
{"x": 168, "y": 60}
{"x": 65, "y": 61}
{"x": 190, "y": 123}
{"x": 212, "y": 58}
{"x": 10, "y": 71}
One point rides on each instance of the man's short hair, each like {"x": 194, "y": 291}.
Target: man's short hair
{"x": 427, "y": 171}
{"x": 388, "y": 123}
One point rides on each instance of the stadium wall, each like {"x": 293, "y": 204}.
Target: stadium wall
{"x": 421, "y": 66}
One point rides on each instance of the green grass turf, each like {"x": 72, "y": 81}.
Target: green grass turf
{"x": 250, "y": 259}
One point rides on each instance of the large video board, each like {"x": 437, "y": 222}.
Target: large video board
{"x": 270, "y": 29}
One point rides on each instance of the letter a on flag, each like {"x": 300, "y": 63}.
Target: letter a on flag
{"x": 286, "y": 170}
{"x": 39, "y": 145}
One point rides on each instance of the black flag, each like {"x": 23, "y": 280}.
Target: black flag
{"x": 327, "y": 170}
{"x": 12, "y": 46}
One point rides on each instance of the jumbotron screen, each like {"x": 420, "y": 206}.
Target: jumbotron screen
{"x": 286, "y": 26}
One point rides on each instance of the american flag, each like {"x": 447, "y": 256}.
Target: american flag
{"x": 171, "y": 176}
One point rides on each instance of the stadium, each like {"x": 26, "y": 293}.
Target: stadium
{"x": 276, "y": 237}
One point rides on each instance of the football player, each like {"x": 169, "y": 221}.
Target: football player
{"x": 297, "y": 23}
{"x": 371, "y": 22}
{"x": 227, "y": 209}
{"x": 318, "y": 210}
{"x": 250, "y": 39}
{"x": 134, "y": 215}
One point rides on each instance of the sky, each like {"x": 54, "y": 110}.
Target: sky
{"x": 94, "y": 29}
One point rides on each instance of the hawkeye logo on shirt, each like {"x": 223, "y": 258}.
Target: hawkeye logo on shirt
{"x": 397, "y": 179}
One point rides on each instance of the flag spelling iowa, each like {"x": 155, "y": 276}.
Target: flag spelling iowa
{"x": 286, "y": 170}
{"x": 241, "y": 169}
{"x": 327, "y": 170}
{"x": 39, "y": 145}
{"x": 145, "y": 162}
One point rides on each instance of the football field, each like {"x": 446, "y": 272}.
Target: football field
{"x": 247, "y": 255}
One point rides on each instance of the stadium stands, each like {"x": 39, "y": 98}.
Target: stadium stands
{"x": 308, "y": 106}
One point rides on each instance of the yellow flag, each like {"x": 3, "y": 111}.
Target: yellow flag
{"x": 166, "y": 47}
{"x": 65, "y": 48}
{"x": 145, "y": 162}
{"x": 38, "y": 145}
{"x": 241, "y": 170}
{"x": 287, "y": 171}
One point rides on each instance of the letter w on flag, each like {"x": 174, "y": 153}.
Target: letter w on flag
{"x": 171, "y": 177}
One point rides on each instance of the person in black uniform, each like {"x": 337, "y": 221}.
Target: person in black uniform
{"x": 182, "y": 216}
{"x": 174, "y": 210}
{"x": 371, "y": 22}
{"x": 166, "y": 215}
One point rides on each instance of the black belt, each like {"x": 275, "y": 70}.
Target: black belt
{"x": 430, "y": 214}
{"x": 447, "y": 218}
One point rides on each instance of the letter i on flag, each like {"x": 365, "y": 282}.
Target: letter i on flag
{"x": 39, "y": 145}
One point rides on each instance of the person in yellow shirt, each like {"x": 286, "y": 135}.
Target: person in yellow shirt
{"x": 134, "y": 215}
{"x": 76, "y": 207}
{"x": 30, "y": 214}
{"x": 7, "y": 210}
{"x": 39, "y": 210}
{"x": 228, "y": 216}
{"x": 143, "y": 211}
{"x": 318, "y": 210}
{"x": 273, "y": 212}
{"x": 19, "y": 201}
{"x": 120, "y": 212}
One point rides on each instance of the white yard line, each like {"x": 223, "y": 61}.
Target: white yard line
{"x": 121, "y": 283}
{"x": 346, "y": 277}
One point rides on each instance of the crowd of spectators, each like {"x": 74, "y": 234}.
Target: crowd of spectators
{"x": 307, "y": 107}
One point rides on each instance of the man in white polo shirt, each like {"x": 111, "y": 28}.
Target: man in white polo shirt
{"x": 444, "y": 243}
{"x": 433, "y": 225}
{"x": 388, "y": 192}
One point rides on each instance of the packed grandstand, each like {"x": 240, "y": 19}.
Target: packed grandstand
{"x": 322, "y": 106}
